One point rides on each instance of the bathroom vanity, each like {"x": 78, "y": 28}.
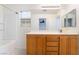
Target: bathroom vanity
{"x": 54, "y": 43}
{"x": 48, "y": 43}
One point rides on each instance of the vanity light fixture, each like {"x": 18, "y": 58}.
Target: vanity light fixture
{"x": 48, "y": 6}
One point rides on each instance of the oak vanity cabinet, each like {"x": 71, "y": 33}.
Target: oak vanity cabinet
{"x": 51, "y": 44}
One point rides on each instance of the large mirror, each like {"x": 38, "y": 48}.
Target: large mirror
{"x": 70, "y": 19}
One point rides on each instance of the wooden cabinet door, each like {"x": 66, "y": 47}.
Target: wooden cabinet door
{"x": 40, "y": 45}
{"x": 73, "y": 45}
{"x": 68, "y": 45}
{"x": 31, "y": 44}
{"x": 63, "y": 45}
{"x": 35, "y": 44}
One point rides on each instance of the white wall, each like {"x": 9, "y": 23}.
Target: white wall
{"x": 51, "y": 22}
{"x": 9, "y": 17}
{"x": 11, "y": 41}
{"x": 1, "y": 24}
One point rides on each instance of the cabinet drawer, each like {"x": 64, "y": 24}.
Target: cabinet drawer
{"x": 52, "y": 44}
{"x": 51, "y": 53}
{"x": 52, "y": 38}
{"x": 52, "y": 49}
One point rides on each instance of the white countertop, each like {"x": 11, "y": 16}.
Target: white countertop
{"x": 52, "y": 33}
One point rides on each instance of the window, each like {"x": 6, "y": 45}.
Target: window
{"x": 42, "y": 23}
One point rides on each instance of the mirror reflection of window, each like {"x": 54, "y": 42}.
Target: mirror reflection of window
{"x": 70, "y": 19}
{"x": 70, "y": 22}
{"x": 64, "y": 22}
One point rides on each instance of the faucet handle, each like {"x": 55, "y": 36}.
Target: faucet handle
{"x": 60, "y": 30}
